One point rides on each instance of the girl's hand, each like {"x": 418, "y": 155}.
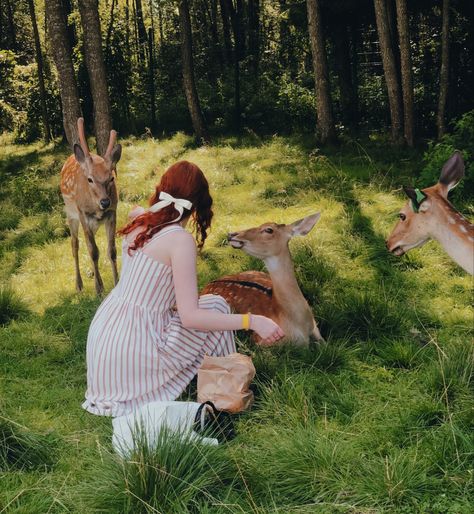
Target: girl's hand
{"x": 136, "y": 211}
{"x": 266, "y": 328}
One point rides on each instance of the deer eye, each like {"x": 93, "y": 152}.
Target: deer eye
{"x": 402, "y": 216}
{"x": 90, "y": 180}
{"x": 268, "y": 230}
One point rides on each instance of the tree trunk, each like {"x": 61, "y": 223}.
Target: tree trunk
{"x": 192, "y": 98}
{"x": 59, "y": 42}
{"x": 151, "y": 79}
{"x": 254, "y": 33}
{"x": 390, "y": 69}
{"x": 325, "y": 128}
{"x": 226, "y": 30}
{"x": 406, "y": 68}
{"x": 142, "y": 37}
{"x": 11, "y": 26}
{"x": 110, "y": 28}
{"x": 342, "y": 55}
{"x": 96, "y": 70}
{"x": 443, "y": 79}
{"x": 39, "y": 65}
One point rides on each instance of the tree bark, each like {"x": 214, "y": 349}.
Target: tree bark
{"x": 406, "y": 69}
{"x": 151, "y": 79}
{"x": 192, "y": 97}
{"x": 11, "y": 26}
{"x": 254, "y": 33}
{"x": 444, "y": 74}
{"x": 325, "y": 126}
{"x": 390, "y": 69}
{"x": 96, "y": 70}
{"x": 142, "y": 37}
{"x": 62, "y": 56}
{"x": 226, "y": 30}
{"x": 39, "y": 65}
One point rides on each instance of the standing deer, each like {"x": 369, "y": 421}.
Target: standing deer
{"x": 429, "y": 215}
{"x": 277, "y": 294}
{"x": 90, "y": 196}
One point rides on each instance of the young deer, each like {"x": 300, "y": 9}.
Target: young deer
{"x": 429, "y": 215}
{"x": 90, "y": 196}
{"x": 276, "y": 295}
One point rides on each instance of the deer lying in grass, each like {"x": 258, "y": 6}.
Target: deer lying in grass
{"x": 276, "y": 295}
{"x": 429, "y": 215}
{"x": 90, "y": 196}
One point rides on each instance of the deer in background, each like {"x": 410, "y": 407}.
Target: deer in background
{"x": 90, "y": 196}
{"x": 277, "y": 294}
{"x": 429, "y": 215}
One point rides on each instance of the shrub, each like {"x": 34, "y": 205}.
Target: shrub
{"x": 462, "y": 138}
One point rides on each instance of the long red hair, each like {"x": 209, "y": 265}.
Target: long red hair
{"x": 181, "y": 180}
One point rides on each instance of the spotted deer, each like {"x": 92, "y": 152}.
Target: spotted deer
{"x": 429, "y": 215}
{"x": 90, "y": 197}
{"x": 276, "y": 294}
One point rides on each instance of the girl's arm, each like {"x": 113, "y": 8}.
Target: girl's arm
{"x": 183, "y": 263}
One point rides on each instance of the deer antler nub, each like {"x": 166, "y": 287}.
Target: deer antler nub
{"x": 82, "y": 136}
{"x": 112, "y": 138}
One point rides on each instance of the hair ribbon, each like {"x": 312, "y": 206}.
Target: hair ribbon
{"x": 166, "y": 199}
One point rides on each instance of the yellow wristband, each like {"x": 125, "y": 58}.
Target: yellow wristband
{"x": 246, "y": 321}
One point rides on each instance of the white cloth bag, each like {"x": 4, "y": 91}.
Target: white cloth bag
{"x": 175, "y": 417}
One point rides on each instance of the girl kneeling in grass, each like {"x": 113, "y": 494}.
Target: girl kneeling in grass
{"x": 140, "y": 347}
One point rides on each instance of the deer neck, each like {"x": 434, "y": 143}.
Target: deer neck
{"x": 287, "y": 295}
{"x": 456, "y": 236}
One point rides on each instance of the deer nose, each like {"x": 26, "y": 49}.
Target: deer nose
{"x": 231, "y": 235}
{"x": 104, "y": 203}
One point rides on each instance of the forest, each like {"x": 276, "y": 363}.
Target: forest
{"x": 290, "y": 108}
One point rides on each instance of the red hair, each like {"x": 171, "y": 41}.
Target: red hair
{"x": 181, "y": 180}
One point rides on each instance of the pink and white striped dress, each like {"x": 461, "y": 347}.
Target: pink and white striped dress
{"x": 137, "y": 349}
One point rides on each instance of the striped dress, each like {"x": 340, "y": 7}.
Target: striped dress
{"x": 137, "y": 349}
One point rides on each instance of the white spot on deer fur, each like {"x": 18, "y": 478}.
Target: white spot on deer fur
{"x": 463, "y": 229}
{"x": 471, "y": 239}
{"x": 451, "y": 220}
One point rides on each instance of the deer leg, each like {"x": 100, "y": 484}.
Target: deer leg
{"x": 94, "y": 253}
{"x": 110, "y": 227}
{"x": 316, "y": 335}
{"x": 74, "y": 229}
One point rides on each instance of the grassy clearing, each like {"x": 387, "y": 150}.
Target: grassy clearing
{"x": 378, "y": 419}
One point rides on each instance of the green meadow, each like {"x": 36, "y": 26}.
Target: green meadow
{"x": 380, "y": 418}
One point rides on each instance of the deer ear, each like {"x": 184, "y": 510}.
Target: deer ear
{"x": 79, "y": 154}
{"x": 304, "y": 226}
{"x": 417, "y": 197}
{"x": 452, "y": 172}
{"x": 115, "y": 155}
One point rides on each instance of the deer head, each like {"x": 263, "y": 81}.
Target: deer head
{"x": 428, "y": 213}
{"x": 99, "y": 172}
{"x": 271, "y": 239}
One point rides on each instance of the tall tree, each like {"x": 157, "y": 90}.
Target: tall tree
{"x": 39, "y": 66}
{"x": 390, "y": 68}
{"x": 444, "y": 74}
{"x": 96, "y": 70}
{"x": 192, "y": 97}
{"x": 406, "y": 69}
{"x": 62, "y": 56}
{"x": 141, "y": 30}
{"x": 326, "y": 130}
{"x": 151, "y": 79}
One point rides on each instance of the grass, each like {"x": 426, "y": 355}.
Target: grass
{"x": 378, "y": 419}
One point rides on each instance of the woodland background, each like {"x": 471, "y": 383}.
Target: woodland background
{"x": 339, "y": 68}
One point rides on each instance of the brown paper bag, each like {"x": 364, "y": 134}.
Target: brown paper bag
{"x": 225, "y": 382}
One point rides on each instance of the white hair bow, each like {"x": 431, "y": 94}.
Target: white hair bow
{"x": 166, "y": 199}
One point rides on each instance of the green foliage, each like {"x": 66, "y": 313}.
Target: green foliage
{"x": 461, "y": 138}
